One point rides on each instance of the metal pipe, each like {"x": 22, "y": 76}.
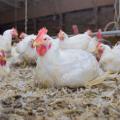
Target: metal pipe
{"x": 106, "y": 33}
{"x": 109, "y": 33}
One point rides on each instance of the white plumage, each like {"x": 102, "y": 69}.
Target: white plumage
{"x": 16, "y": 58}
{"x": 80, "y": 41}
{"x": 69, "y": 67}
{"x": 110, "y": 59}
{"x": 5, "y": 51}
{"x": 25, "y": 49}
{"x": 76, "y": 42}
{"x": 4, "y": 70}
{"x": 6, "y": 40}
{"x": 4, "y": 65}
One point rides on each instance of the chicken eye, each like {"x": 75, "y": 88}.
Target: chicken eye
{"x": 45, "y": 38}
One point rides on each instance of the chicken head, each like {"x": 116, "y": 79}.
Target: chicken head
{"x": 22, "y": 35}
{"x": 14, "y": 33}
{"x": 100, "y": 50}
{"x": 61, "y": 35}
{"x": 42, "y": 43}
{"x": 2, "y": 58}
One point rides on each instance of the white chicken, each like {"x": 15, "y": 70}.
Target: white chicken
{"x": 6, "y": 40}
{"x": 16, "y": 58}
{"x": 117, "y": 45}
{"x": 26, "y": 50}
{"x": 4, "y": 66}
{"x": 95, "y": 42}
{"x": 23, "y": 35}
{"x": 56, "y": 67}
{"x": 81, "y": 41}
{"x": 109, "y": 58}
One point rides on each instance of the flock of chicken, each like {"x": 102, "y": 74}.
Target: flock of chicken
{"x": 64, "y": 61}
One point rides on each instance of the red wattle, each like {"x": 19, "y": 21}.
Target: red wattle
{"x": 41, "y": 50}
{"x": 2, "y": 63}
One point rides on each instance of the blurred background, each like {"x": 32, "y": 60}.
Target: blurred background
{"x": 30, "y": 15}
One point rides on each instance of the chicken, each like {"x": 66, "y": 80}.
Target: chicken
{"x": 4, "y": 66}
{"x": 109, "y": 58}
{"x": 16, "y": 58}
{"x": 26, "y": 50}
{"x": 92, "y": 46}
{"x": 101, "y": 39}
{"x": 96, "y": 42}
{"x": 79, "y": 41}
{"x": 75, "y": 29}
{"x": 23, "y": 35}
{"x": 117, "y": 45}
{"x": 56, "y": 67}
{"x": 6, "y": 40}
{"x": 62, "y": 35}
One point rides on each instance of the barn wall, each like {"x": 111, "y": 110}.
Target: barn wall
{"x": 73, "y": 11}
{"x": 86, "y": 19}
{"x": 50, "y": 7}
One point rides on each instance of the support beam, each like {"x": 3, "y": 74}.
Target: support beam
{"x": 26, "y": 15}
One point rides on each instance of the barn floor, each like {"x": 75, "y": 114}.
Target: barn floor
{"x": 20, "y": 100}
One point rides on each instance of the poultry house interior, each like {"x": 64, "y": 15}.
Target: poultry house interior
{"x": 59, "y": 60}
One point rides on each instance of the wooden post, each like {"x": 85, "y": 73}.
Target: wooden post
{"x": 15, "y": 14}
{"x": 26, "y": 15}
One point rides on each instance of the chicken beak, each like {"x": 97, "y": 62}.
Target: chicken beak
{"x": 36, "y": 44}
{"x": 3, "y": 58}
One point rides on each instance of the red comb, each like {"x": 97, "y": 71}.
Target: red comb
{"x": 41, "y": 33}
{"x": 99, "y": 34}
